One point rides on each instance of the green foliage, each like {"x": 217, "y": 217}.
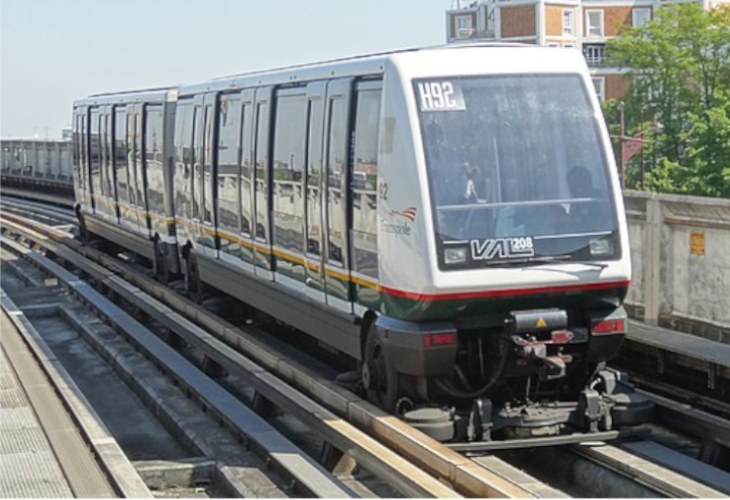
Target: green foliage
{"x": 679, "y": 66}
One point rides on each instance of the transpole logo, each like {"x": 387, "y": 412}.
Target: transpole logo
{"x": 409, "y": 213}
{"x": 400, "y": 227}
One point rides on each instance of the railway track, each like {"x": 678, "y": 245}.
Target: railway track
{"x": 404, "y": 475}
{"x": 302, "y": 392}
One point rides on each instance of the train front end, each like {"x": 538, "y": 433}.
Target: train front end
{"x": 505, "y": 299}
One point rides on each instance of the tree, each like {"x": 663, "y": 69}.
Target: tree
{"x": 679, "y": 66}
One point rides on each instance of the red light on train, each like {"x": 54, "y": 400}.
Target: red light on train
{"x": 608, "y": 326}
{"x": 439, "y": 339}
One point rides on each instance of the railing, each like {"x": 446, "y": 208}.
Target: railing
{"x": 473, "y": 34}
{"x": 681, "y": 267}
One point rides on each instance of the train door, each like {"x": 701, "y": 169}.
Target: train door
{"x": 247, "y": 179}
{"x": 316, "y": 93}
{"x": 263, "y": 261}
{"x": 84, "y": 188}
{"x": 336, "y": 192}
{"x": 107, "y": 168}
{"x": 143, "y": 211}
{"x": 154, "y": 165}
{"x": 196, "y": 193}
{"x": 363, "y": 189}
{"x": 110, "y": 164}
{"x": 227, "y": 172}
{"x": 184, "y": 173}
{"x": 103, "y": 199}
{"x": 121, "y": 176}
{"x": 95, "y": 162}
{"x": 136, "y": 178}
{"x": 130, "y": 211}
{"x": 208, "y": 188}
{"x": 287, "y": 185}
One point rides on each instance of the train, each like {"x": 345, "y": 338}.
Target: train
{"x": 39, "y": 165}
{"x": 449, "y": 219}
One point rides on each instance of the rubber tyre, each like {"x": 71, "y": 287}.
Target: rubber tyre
{"x": 383, "y": 374}
{"x": 192, "y": 279}
{"x": 440, "y": 431}
{"x": 160, "y": 264}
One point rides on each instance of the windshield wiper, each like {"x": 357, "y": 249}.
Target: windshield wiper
{"x": 547, "y": 260}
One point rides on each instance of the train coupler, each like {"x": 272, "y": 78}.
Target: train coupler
{"x": 539, "y": 336}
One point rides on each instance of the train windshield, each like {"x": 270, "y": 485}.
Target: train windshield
{"x": 517, "y": 171}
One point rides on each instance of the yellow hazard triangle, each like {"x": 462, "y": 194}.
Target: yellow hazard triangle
{"x": 541, "y": 323}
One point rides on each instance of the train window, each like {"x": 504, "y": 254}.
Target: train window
{"x": 84, "y": 153}
{"x": 229, "y": 123}
{"x": 261, "y": 201}
{"x": 364, "y": 182}
{"x": 196, "y": 195}
{"x": 183, "y": 159}
{"x": 154, "y": 162}
{"x": 288, "y": 175}
{"x": 130, "y": 162}
{"x": 103, "y": 156}
{"x": 140, "y": 179}
{"x": 106, "y": 161}
{"x": 314, "y": 177}
{"x": 208, "y": 165}
{"x": 246, "y": 170}
{"x": 120, "y": 155}
{"x": 336, "y": 173}
{"x": 94, "y": 154}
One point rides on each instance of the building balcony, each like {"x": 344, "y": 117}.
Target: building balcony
{"x": 596, "y": 57}
{"x": 471, "y": 34}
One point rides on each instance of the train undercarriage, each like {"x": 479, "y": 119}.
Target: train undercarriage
{"x": 538, "y": 377}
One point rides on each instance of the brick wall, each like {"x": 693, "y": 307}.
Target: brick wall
{"x": 554, "y": 19}
{"x": 518, "y": 21}
{"x": 614, "y": 19}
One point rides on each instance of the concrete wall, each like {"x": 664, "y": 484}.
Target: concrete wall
{"x": 680, "y": 250}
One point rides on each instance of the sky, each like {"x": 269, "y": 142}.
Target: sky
{"x": 55, "y": 51}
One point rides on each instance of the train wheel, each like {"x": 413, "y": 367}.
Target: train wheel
{"x": 380, "y": 377}
{"x": 192, "y": 279}
{"x": 160, "y": 264}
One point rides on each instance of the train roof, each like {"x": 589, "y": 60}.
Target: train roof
{"x": 157, "y": 94}
{"x": 413, "y": 61}
{"x": 49, "y": 140}
{"x": 417, "y": 60}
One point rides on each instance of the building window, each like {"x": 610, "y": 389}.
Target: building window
{"x": 594, "y": 54}
{"x": 464, "y": 26}
{"x": 594, "y": 23}
{"x": 599, "y": 83}
{"x": 640, "y": 16}
{"x": 568, "y": 22}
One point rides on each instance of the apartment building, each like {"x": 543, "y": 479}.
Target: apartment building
{"x": 584, "y": 25}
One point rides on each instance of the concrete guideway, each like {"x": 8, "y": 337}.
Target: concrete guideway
{"x": 62, "y": 465}
{"x": 649, "y": 472}
{"x": 314, "y": 480}
{"x": 438, "y": 462}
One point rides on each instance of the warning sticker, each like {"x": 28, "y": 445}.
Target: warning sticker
{"x": 697, "y": 243}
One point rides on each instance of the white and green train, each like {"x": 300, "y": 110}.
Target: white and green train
{"x": 450, "y": 218}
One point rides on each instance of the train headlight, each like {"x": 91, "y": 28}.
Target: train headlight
{"x": 454, "y": 256}
{"x": 601, "y": 246}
